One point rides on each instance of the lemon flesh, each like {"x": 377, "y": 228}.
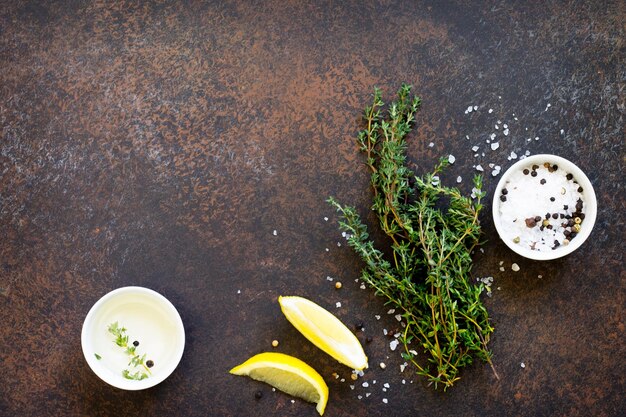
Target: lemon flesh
{"x": 324, "y": 330}
{"x": 288, "y": 374}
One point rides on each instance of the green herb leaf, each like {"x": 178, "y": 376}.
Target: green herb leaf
{"x": 97, "y": 356}
{"x": 433, "y": 230}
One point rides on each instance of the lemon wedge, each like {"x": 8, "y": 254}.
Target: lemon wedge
{"x": 288, "y": 374}
{"x": 324, "y": 330}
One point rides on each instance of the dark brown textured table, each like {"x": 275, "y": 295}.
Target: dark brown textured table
{"x": 161, "y": 144}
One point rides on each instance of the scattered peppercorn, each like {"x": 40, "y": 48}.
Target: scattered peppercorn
{"x": 135, "y": 343}
{"x": 546, "y": 165}
{"x": 531, "y": 222}
{"x": 503, "y": 198}
{"x": 555, "y": 215}
{"x": 533, "y": 174}
{"x": 549, "y": 227}
{"x": 569, "y": 177}
{"x": 537, "y": 219}
{"x": 149, "y": 363}
{"x": 547, "y": 215}
{"x": 582, "y": 216}
{"x": 505, "y": 191}
{"x": 258, "y": 395}
{"x": 526, "y": 172}
{"x": 580, "y": 189}
{"x": 552, "y": 198}
{"x": 543, "y": 181}
{"x": 555, "y": 167}
{"x": 556, "y": 244}
{"x": 572, "y": 235}
{"x": 565, "y": 207}
{"x": 535, "y": 167}
{"x": 566, "y": 232}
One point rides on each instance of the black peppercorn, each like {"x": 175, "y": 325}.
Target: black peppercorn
{"x": 537, "y": 218}
{"x": 570, "y": 222}
{"x": 582, "y": 216}
{"x": 565, "y": 207}
{"x": 555, "y": 167}
{"x": 580, "y": 189}
{"x": 547, "y": 216}
{"x": 525, "y": 172}
{"x": 135, "y": 343}
{"x": 562, "y": 215}
{"x": 552, "y": 198}
{"x": 533, "y": 174}
{"x": 566, "y": 232}
{"x": 258, "y": 395}
{"x": 543, "y": 181}
{"x": 502, "y": 198}
{"x": 572, "y": 235}
{"x": 149, "y": 363}
{"x": 569, "y": 177}
{"x": 556, "y": 244}
{"x": 549, "y": 227}
{"x": 505, "y": 191}
{"x": 555, "y": 215}
{"x": 535, "y": 167}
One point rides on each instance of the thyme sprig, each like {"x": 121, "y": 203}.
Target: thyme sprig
{"x": 121, "y": 339}
{"x": 433, "y": 231}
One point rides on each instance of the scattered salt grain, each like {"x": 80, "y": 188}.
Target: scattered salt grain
{"x": 515, "y": 267}
{"x": 513, "y": 155}
{"x": 492, "y": 136}
{"x": 326, "y": 249}
{"x": 490, "y": 111}
{"x": 385, "y": 332}
{"x": 501, "y": 269}
{"x": 362, "y": 286}
{"x": 386, "y": 385}
{"x": 325, "y": 219}
{"x": 238, "y": 291}
{"x": 451, "y": 159}
{"x": 505, "y": 126}
{"x": 548, "y": 106}
{"x": 367, "y": 394}
{"x": 497, "y": 127}
{"x": 393, "y": 344}
{"x": 360, "y": 397}
{"x": 385, "y": 400}
{"x": 506, "y": 132}
{"x": 382, "y": 365}
{"x": 475, "y": 108}
{"x": 365, "y": 384}
{"x": 562, "y": 131}
{"x": 523, "y": 365}
{"x": 495, "y": 146}
{"x": 329, "y": 278}
{"x": 475, "y": 148}
{"x": 431, "y": 144}
{"x": 274, "y": 232}
{"x": 459, "y": 179}
{"x": 398, "y": 317}
{"x": 352, "y": 387}
{"x": 469, "y": 109}
{"x": 377, "y": 317}
{"x": 403, "y": 366}
{"x": 479, "y": 168}
{"x": 404, "y": 381}
{"x": 293, "y": 401}
{"x": 391, "y": 311}
{"x": 536, "y": 137}
{"x": 539, "y": 276}
{"x": 338, "y": 304}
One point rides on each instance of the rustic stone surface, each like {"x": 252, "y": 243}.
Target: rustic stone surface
{"x": 161, "y": 144}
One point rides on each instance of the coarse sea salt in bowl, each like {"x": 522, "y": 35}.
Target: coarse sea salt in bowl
{"x": 544, "y": 207}
{"x": 153, "y": 327}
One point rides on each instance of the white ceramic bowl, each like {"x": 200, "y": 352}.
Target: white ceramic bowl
{"x": 149, "y": 319}
{"x": 588, "y": 195}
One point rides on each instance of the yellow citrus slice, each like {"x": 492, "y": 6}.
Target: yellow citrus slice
{"x": 288, "y": 374}
{"x": 324, "y": 330}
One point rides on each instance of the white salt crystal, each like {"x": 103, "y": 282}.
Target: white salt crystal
{"x": 391, "y": 311}
{"x": 475, "y": 108}
{"x": 459, "y": 179}
{"x": 492, "y": 136}
{"x": 451, "y": 159}
{"x": 469, "y": 109}
{"x": 385, "y": 400}
{"x": 513, "y": 155}
{"x": 386, "y": 385}
{"x": 393, "y": 344}
{"x": 398, "y": 317}
{"x": 479, "y": 168}
{"x": 495, "y": 146}
{"x": 431, "y": 144}
{"x": 474, "y": 148}
{"x": 365, "y": 384}
{"x": 505, "y": 126}
{"x": 338, "y": 304}
{"x": 325, "y": 219}
{"x": 515, "y": 267}
{"x": 490, "y": 111}
{"x": 274, "y": 232}
{"x": 506, "y": 132}
{"x": 523, "y": 365}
